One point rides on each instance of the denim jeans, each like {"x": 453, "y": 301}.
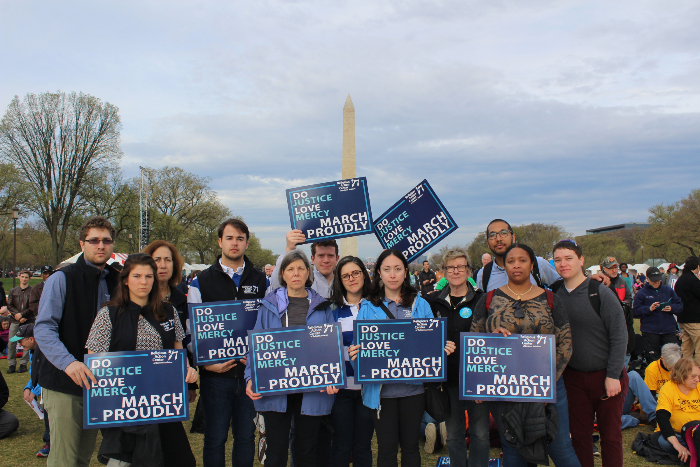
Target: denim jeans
{"x": 668, "y": 447}
{"x": 354, "y": 428}
{"x": 478, "y": 431}
{"x": 226, "y": 404}
{"x": 640, "y": 390}
{"x": 560, "y": 450}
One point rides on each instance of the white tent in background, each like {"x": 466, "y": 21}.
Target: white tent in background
{"x": 115, "y": 258}
{"x": 641, "y": 267}
{"x": 188, "y": 268}
{"x": 593, "y": 269}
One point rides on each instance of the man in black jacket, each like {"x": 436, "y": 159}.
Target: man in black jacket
{"x": 426, "y": 278}
{"x": 688, "y": 289}
{"x": 69, "y": 303}
{"x": 222, "y": 385}
{"x": 456, "y": 302}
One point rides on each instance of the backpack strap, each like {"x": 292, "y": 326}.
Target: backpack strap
{"x": 486, "y": 275}
{"x": 489, "y": 297}
{"x": 386, "y": 310}
{"x": 536, "y": 274}
{"x": 594, "y": 295}
{"x": 550, "y": 299}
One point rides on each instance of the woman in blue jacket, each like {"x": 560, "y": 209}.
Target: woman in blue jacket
{"x": 293, "y": 304}
{"x": 655, "y": 304}
{"x": 398, "y": 407}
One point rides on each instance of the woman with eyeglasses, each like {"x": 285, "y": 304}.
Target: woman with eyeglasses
{"x": 397, "y": 408}
{"x": 295, "y": 303}
{"x": 139, "y": 319}
{"x": 456, "y": 302}
{"x": 350, "y": 418}
{"x": 521, "y": 307}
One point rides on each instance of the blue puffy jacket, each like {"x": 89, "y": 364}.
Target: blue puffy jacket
{"x": 420, "y": 309}
{"x": 272, "y": 309}
{"x": 657, "y": 321}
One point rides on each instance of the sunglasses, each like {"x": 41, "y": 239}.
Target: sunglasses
{"x": 96, "y": 241}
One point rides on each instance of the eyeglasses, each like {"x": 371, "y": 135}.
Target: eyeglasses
{"x": 503, "y": 234}
{"x": 96, "y": 241}
{"x": 355, "y": 274}
{"x": 518, "y": 310}
{"x": 453, "y": 269}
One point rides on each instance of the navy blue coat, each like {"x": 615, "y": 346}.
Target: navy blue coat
{"x": 657, "y": 321}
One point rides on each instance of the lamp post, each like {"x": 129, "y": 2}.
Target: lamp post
{"x": 15, "y": 216}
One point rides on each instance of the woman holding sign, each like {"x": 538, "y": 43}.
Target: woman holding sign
{"x": 138, "y": 319}
{"x": 398, "y": 408}
{"x": 293, "y": 304}
{"x": 522, "y": 307}
{"x": 351, "y": 419}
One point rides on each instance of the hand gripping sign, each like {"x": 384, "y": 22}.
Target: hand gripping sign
{"x": 518, "y": 368}
{"x": 331, "y": 210}
{"x": 136, "y": 388}
{"x": 220, "y": 329}
{"x": 400, "y": 350}
{"x": 415, "y": 223}
{"x": 297, "y": 359}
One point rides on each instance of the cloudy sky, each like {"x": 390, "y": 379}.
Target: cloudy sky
{"x": 580, "y": 113}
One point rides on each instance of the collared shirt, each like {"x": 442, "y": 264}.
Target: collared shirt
{"x": 51, "y": 312}
{"x": 499, "y": 278}
{"x": 195, "y": 296}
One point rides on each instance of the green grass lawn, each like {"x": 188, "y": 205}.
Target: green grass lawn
{"x": 19, "y": 450}
{"x": 7, "y": 282}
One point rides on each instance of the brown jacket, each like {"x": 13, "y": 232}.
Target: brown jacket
{"x": 34, "y": 297}
{"x": 18, "y": 302}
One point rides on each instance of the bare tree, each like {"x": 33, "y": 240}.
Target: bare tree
{"x": 56, "y": 141}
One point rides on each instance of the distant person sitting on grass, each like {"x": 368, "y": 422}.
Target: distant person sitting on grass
{"x": 4, "y": 335}
{"x": 32, "y": 391}
{"x": 8, "y": 422}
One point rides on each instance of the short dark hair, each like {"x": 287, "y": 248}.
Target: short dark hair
{"x": 691, "y": 264}
{"x": 522, "y": 246}
{"x": 426, "y": 261}
{"x": 568, "y": 245}
{"x": 497, "y": 220}
{"x": 332, "y": 243}
{"x": 624, "y": 264}
{"x": 27, "y": 272}
{"x": 338, "y": 290}
{"x": 236, "y": 224}
{"x": 97, "y": 222}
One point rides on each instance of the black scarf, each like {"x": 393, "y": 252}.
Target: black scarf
{"x": 125, "y": 326}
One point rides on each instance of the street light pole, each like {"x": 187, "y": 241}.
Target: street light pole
{"x": 15, "y": 216}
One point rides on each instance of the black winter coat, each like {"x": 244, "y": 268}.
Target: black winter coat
{"x": 688, "y": 289}
{"x": 459, "y": 319}
{"x": 529, "y": 427}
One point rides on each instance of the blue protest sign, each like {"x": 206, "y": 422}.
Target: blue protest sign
{"x": 331, "y": 210}
{"x": 415, "y": 223}
{"x": 297, "y": 359}
{"x": 220, "y": 329}
{"x": 392, "y": 350}
{"x": 518, "y": 368}
{"x": 136, "y": 388}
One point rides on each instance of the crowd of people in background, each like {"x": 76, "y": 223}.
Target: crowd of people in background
{"x": 607, "y": 375}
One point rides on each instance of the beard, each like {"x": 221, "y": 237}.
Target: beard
{"x": 232, "y": 258}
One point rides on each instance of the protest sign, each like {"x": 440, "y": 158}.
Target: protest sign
{"x": 393, "y": 350}
{"x": 518, "y": 368}
{"x": 331, "y": 210}
{"x": 136, "y": 388}
{"x": 297, "y": 359}
{"x": 415, "y": 223}
{"x": 220, "y": 329}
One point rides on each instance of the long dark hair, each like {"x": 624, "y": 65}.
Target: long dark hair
{"x": 178, "y": 262}
{"x": 338, "y": 290}
{"x": 376, "y": 292}
{"x": 122, "y": 299}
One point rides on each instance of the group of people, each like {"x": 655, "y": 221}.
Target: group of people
{"x": 91, "y": 307}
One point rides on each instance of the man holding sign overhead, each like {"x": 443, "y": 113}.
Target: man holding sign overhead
{"x": 222, "y": 386}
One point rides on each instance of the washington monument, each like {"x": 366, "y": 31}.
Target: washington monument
{"x": 348, "y": 246}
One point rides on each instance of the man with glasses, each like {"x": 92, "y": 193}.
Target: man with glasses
{"x": 69, "y": 303}
{"x": 499, "y": 236}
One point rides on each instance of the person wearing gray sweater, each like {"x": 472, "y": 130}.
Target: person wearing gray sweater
{"x": 596, "y": 380}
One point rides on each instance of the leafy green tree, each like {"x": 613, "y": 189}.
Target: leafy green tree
{"x": 675, "y": 228}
